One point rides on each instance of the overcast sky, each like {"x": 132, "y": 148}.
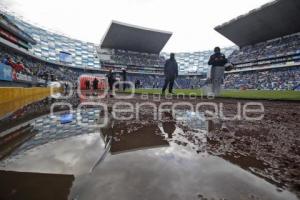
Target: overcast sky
{"x": 191, "y": 21}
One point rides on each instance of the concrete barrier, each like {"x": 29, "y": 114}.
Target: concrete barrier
{"x": 8, "y": 94}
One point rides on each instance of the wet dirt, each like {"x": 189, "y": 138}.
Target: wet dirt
{"x": 172, "y": 158}
{"x": 268, "y": 148}
{"x": 16, "y": 185}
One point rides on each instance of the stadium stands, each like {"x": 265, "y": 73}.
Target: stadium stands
{"x": 274, "y": 79}
{"x": 196, "y": 62}
{"x": 268, "y": 58}
{"x": 37, "y": 68}
{"x": 49, "y": 45}
{"x": 286, "y": 47}
{"x": 122, "y": 57}
{"x": 120, "y": 48}
{"x": 271, "y": 64}
{"x": 157, "y": 81}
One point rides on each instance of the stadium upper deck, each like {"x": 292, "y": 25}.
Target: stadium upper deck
{"x": 13, "y": 33}
{"x": 272, "y": 20}
{"x": 127, "y": 51}
{"x": 268, "y": 37}
{"x": 269, "y": 41}
{"x": 131, "y": 46}
{"x": 49, "y": 45}
{"x": 43, "y": 59}
{"x": 85, "y": 55}
{"x": 129, "y": 37}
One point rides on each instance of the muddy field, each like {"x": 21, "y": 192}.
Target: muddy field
{"x": 269, "y": 149}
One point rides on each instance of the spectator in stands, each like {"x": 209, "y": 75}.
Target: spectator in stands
{"x": 8, "y": 61}
{"x": 217, "y": 61}
{"x": 171, "y": 72}
{"x": 5, "y": 60}
{"x": 18, "y": 67}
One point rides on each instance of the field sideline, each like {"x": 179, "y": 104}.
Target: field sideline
{"x": 236, "y": 94}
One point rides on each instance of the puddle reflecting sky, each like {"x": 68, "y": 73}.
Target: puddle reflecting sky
{"x": 148, "y": 159}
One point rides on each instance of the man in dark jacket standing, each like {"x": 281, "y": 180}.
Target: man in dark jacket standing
{"x": 171, "y": 72}
{"x": 217, "y": 62}
{"x": 95, "y": 84}
{"x": 111, "y": 79}
{"x": 87, "y": 84}
{"x": 124, "y": 78}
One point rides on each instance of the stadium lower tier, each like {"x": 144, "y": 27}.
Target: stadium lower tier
{"x": 37, "y": 68}
{"x": 273, "y": 79}
{"x": 155, "y": 81}
{"x": 287, "y": 78}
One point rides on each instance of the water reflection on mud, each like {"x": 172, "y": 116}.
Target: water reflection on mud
{"x": 173, "y": 158}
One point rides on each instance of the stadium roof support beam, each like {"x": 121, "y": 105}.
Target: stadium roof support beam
{"x": 275, "y": 19}
{"x": 134, "y": 38}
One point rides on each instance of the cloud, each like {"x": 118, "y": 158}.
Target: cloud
{"x": 191, "y": 21}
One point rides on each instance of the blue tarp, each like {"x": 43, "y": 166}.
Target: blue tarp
{"x": 5, "y": 72}
{"x": 66, "y": 118}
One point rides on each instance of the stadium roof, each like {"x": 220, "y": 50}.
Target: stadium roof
{"x": 272, "y": 20}
{"x": 6, "y": 23}
{"x": 134, "y": 38}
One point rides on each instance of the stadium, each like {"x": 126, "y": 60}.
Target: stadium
{"x": 81, "y": 120}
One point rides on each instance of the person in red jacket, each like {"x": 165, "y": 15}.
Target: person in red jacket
{"x": 18, "y": 67}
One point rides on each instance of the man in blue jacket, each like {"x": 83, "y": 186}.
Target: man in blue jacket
{"x": 171, "y": 72}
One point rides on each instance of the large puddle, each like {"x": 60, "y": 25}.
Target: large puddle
{"x": 146, "y": 159}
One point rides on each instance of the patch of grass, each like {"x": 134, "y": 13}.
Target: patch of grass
{"x": 197, "y": 92}
{"x": 237, "y": 94}
{"x": 262, "y": 94}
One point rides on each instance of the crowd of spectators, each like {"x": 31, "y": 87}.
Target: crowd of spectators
{"x": 124, "y": 57}
{"x": 274, "y": 79}
{"x": 133, "y": 69}
{"x": 157, "y": 81}
{"x": 190, "y": 82}
{"x": 280, "y": 47}
{"x": 146, "y": 81}
{"x": 30, "y": 66}
{"x": 17, "y": 66}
